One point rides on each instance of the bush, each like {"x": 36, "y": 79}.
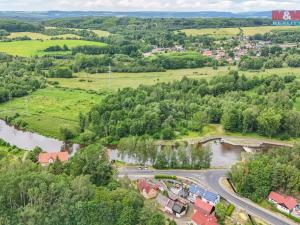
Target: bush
{"x": 66, "y": 133}
{"x": 230, "y": 210}
{"x": 168, "y": 134}
{"x": 293, "y": 61}
{"x": 164, "y": 176}
{"x": 62, "y": 72}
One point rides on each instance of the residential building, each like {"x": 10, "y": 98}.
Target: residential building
{"x": 285, "y": 204}
{"x": 195, "y": 191}
{"x": 47, "y": 158}
{"x": 205, "y": 195}
{"x": 201, "y": 219}
{"x": 165, "y": 203}
{"x": 179, "y": 209}
{"x": 211, "y": 198}
{"x": 147, "y": 190}
{"x": 203, "y": 206}
{"x": 183, "y": 193}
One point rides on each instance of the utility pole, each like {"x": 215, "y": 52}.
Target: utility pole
{"x": 109, "y": 75}
{"x": 26, "y": 105}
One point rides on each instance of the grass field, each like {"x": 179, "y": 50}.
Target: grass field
{"x": 39, "y": 36}
{"x": 34, "y": 47}
{"x": 101, "y": 82}
{"x": 216, "y": 32}
{"x": 101, "y": 33}
{"x": 265, "y": 29}
{"x": 50, "y": 109}
{"x": 230, "y": 32}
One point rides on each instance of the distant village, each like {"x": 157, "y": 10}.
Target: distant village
{"x": 245, "y": 46}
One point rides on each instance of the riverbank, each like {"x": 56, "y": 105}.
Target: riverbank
{"x": 48, "y": 110}
{"x": 28, "y": 140}
{"x": 216, "y": 132}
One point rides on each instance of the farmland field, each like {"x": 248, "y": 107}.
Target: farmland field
{"x": 35, "y": 47}
{"x": 47, "y": 110}
{"x": 101, "y": 33}
{"x": 216, "y": 32}
{"x": 265, "y": 29}
{"x": 230, "y": 32}
{"x": 101, "y": 82}
{"x": 39, "y": 36}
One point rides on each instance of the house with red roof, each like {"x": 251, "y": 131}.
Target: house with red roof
{"x": 147, "y": 189}
{"x": 200, "y": 218}
{"x": 47, "y": 158}
{"x": 286, "y": 204}
{"x": 203, "y": 206}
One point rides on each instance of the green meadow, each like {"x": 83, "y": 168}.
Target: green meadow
{"x": 47, "y": 110}
{"x": 36, "y": 47}
{"x": 231, "y": 32}
{"x": 101, "y": 81}
{"x": 39, "y": 36}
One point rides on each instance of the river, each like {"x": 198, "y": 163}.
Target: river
{"x": 223, "y": 155}
{"x": 29, "y": 140}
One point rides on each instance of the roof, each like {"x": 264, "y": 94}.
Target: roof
{"x": 203, "y": 206}
{"x": 178, "y": 208}
{"x": 170, "y": 204}
{"x": 173, "y": 196}
{"x": 183, "y": 193}
{"x": 46, "y": 157}
{"x": 162, "y": 200}
{"x": 144, "y": 185}
{"x": 289, "y": 202}
{"x": 201, "y": 219}
{"x": 195, "y": 189}
{"x": 209, "y": 196}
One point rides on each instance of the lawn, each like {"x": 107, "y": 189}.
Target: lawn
{"x": 101, "y": 82}
{"x": 39, "y": 36}
{"x": 35, "y": 47}
{"x": 230, "y": 32}
{"x": 47, "y": 110}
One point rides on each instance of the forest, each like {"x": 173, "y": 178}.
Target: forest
{"x": 274, "y": 170}
{"x": 166, "y": 110}
{"x": 82, "y": 191}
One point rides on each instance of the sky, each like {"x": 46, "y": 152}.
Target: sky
{"x": 148, "y": 5}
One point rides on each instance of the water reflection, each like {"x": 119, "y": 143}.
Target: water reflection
{"x": 223, "y": 155}
{"x": 28, "y": 140}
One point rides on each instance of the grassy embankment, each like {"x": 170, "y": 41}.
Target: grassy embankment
{"x": 231, "y": 32}
{"x": 36, "y": 47}
{"x": 47, "y": 110}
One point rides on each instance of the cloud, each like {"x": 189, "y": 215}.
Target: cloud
{"x": 149, "y": 5}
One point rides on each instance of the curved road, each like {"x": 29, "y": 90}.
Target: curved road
{"x": 212, "y": 179}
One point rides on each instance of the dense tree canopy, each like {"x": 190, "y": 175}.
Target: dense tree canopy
{"x": 81, "y": 192}
{"x": 275, "y": 170}
{"x": 164, "y": 109}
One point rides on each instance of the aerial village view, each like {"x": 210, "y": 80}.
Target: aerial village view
{"x": 174, "y": 112}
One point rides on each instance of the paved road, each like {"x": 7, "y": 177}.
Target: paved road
{"x": 212, "y": 178}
